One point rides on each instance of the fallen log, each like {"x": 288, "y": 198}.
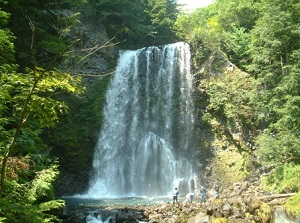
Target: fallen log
{"x": 274, "y": 196}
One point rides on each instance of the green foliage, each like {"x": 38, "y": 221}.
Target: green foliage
{"x": 163, "y": 14}
{"x": 275, "y": 33}
{"x": 238, "y": 13}
{"x": 221, "y": 27}
{"x": 200, "y": 27}
{"x": 38, "y": 108}
{"x": 27, "y": 105}
{"x": 124, "y": 20}
{"x": 6, "y": 46}
{"x": 52, "y": 45}
{"x": 135, "y": 23}
{"x": 82, "y": 124}
{"x": 285, "y": 178}
{"x": 41, "y": 185}
{"x": 229, "y": 105}
{"x": 6, "y": 41}
{"x": 238, "y": 42}
{"x": 29, "y": 202}
{"x": 282, "y": 147}
{"x": 292, "y": 206}
{"x": 261, "y": 109}
{"x": 51, "y": 21}
{"x": 67, "y": 23}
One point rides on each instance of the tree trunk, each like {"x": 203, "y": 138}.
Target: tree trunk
{"x": 274, "y": 196}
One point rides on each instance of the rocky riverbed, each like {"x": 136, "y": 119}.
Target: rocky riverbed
{"x": 242, "y": 202}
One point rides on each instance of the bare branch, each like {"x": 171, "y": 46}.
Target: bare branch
{"x": 93, "y": 50}
{"x": 95, "y": 75}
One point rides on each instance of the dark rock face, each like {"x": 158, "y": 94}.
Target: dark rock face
{"x": 91, "y": 58}
{"x": 70, "y": 184}
{"x": 94, "y": 51}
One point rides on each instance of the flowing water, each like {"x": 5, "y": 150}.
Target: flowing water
{"x": 146, "y": 141}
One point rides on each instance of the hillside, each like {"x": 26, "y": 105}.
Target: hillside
{"x": 56, "y": 63}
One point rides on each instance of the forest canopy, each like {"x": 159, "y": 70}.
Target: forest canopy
{"x": 262, "y": 39}
{"x": 35, "y": 95}
{"x": 259, "y": 37}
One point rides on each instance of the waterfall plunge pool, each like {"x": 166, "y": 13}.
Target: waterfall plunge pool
{"x": 114, "y": 201}
{"x": 104, "y": 210}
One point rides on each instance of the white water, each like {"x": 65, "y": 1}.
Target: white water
{"x": 93, "y": 219}
{"x": 146, "y": 139}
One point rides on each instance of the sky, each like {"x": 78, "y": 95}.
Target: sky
{"x": 193, "y": 4}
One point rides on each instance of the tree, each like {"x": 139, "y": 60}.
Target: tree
{"x": 262, "y": 38}
{"x": 274, "y": 52}
{"x": 6, "y": 42}
{"x": 27, "y": 105}
{"x": 124, "y": 20}
{"x": 221, "y": 27}
{"x": 136, "y": 23}
{"x": 53, "y": 21}
{"x": 163, "y": 14}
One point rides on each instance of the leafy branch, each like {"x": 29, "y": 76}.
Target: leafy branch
{"x": 26, "y": 109}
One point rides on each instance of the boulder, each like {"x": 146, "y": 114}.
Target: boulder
{"x": 200, "y": 218}
{"x": 265, "y": 213}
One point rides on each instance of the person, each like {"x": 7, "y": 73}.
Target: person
{"x": 175, "y": 196}
{"x": 203, "y": 194}
{"x": 217, "y": 189}
{"x": 189, "y": 197}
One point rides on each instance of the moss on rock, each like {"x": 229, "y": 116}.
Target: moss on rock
{"x": 219, "y": 220}
{"x": 229, "y": 166}
{"x": 293, "y": 206}
{"x": 265, "y": 212}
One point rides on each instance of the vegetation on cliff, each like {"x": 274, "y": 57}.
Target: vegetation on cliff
{"x": 246, "y": 56}
{"x": 35, "y": 94}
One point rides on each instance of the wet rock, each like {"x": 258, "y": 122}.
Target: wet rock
{"x": 237, "y": 204}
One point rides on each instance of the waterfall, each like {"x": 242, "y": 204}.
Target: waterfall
{"x": 147, "y": 136}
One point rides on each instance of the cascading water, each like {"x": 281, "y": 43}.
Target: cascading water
{"x": 146, "y": 140}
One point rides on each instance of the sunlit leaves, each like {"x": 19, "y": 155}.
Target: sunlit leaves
{"x": 28, "y": 104}
{"x": 31, "y": 201}
{"x": 230, "y": 103}
{"x": 219, "y": 25}
{"x": 261, "y": 37}
{"x": 51, "y": 205}
{"x": 42, "y": 184}
{"x": 32, "y": 107}
{"x": 237, "y": 44}
{"x": 275, "y": 35}
{"x": 275, "y": 47}
{"x": 6, "y": 40}
{"x": 285, "y": 179}
{"x": 6, "y": 46}
{"x": 201, "y": 26}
